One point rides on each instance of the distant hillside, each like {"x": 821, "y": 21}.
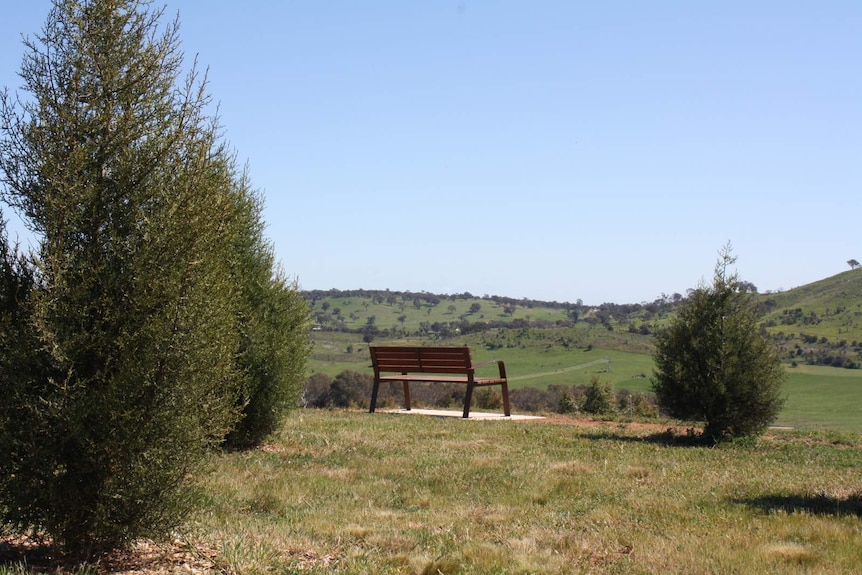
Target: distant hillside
{"x": 818, "y": 323}
{"x": 392, "y": 315}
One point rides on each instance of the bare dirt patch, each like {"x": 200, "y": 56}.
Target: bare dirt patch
{"x": 141, "y": 557}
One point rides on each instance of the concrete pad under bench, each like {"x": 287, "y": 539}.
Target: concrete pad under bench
{"x": 458, "y": 414}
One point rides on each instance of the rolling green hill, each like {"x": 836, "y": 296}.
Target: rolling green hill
{"x": 819, "y": 323}
{"x": 830, "y": 307}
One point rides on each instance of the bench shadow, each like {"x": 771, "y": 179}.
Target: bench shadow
{"x": 813, "y": 504}
{"x": 665, "y": 438}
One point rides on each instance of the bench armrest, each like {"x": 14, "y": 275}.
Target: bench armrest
{"x": 500, "y": 365}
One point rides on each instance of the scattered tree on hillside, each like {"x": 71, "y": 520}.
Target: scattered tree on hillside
{"x": 853, "y": 264}
{"x": 150, "y": 320}
{"x": 714, "y": 365}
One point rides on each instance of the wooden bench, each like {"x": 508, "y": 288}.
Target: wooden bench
{"x": 435, "y": 365}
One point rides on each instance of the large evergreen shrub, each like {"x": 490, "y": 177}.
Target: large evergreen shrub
{"x": 134, "y": 343}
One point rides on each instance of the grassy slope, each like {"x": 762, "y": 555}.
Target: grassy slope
{"x": 836, "y": 303}
{"x": 361, "y": 493}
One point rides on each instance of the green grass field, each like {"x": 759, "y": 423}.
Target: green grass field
{"x": 823, "y": 398}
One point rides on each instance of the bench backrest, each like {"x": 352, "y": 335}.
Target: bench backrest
{"x": 421, "y": 359}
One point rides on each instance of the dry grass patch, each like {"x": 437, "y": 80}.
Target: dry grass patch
{"x": 360, "y": 493}
{"x": 790, "y": 552}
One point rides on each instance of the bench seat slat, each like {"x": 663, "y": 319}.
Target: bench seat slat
{"x": 442, "y": 378}
{"x": 436, "y": 369}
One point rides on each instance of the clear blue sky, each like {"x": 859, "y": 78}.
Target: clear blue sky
{"x": 602, "y": 151}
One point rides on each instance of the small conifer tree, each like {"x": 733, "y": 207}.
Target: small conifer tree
{"x": 713, "y": 363}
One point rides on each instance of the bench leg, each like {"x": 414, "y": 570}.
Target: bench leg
{"x": 407, "y": 395}
{"x": 374, "y": 391}
{"x": 468, "y": 397}
{"x": 504, "y": 387}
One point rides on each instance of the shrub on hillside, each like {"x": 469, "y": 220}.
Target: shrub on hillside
{"x": 488, "y": 399}
{"x": 571, "y": 401}
{"x": 272, "y": 320}
{"x": 636, "y": 404}
{"x": 316, "y": 391}
{"x": 530, "y": 399}
{"x": 350, "y": 389}
{"x": 599, "y": 398}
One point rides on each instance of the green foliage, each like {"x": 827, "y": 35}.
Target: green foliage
{"x": 273, "y": 320}
{"x": 568, "y": 401}
{"x": 349, "y": 388}
{"x": 486, "y": 398}
{"x": 133, "y": 341}
{"x": 713, "y": 364}
{"x": 599, "y": 398}
{"x": 637, "y": 405}
{"x": 352, "y": 389}
{"x": 273, "y": 353}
